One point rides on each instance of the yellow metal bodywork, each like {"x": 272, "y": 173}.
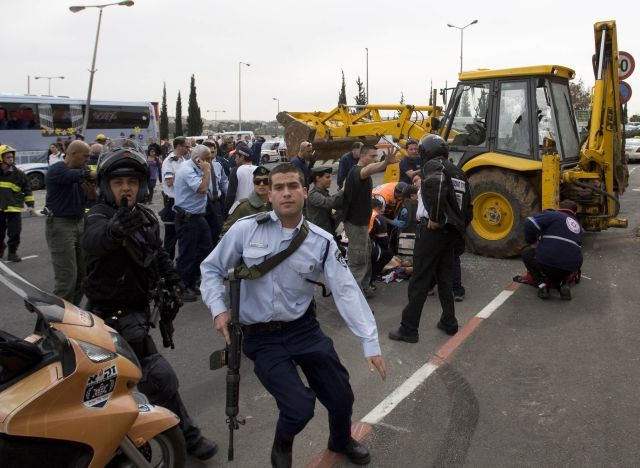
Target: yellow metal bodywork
{"x": 512, "y": 163}
{"x": 545, "y": 70}
{"x": 550, "y": 182}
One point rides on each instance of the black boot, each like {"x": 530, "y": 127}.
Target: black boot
{"x": 357, "y": 453}
{"x": 281, "y": 453}
{"x": 13, "y": 256}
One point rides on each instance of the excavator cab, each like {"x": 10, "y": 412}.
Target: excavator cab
{"x": 520, "y": 113}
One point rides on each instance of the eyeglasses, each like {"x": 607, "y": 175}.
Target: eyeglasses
{"x": 261, "y": 181}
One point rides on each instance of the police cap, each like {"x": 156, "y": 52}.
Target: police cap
{"x": 260, "y": 171}
{"x": 319, "y": 170}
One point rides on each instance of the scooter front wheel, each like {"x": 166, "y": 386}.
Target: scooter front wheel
{"x": 166, "y": 450}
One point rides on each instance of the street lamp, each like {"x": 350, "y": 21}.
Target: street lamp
{"x": 367, "y": 77}
{"x": 76, "y": 9}
{"x": 276, "y": 99}
{"x": 215, "y": 114}
{"x": 240, "y": 93}
{"x": 49, "y": 78}
{"x": 461, "y": 37}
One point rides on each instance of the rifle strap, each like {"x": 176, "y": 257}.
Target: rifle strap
{"x": 242, "y": 271}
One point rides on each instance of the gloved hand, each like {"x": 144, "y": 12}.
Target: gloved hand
{"x": 125, "y": 222}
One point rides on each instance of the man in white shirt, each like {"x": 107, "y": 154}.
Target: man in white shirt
{"x": 240, "y": 178}
{"x": 169, "y": 168}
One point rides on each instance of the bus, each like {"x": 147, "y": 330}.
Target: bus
{"x": 31, "y": 123}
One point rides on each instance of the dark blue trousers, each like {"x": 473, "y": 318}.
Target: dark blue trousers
{"x": 274, "y": 353}
{"x": 194, "y": 244}
{"x": 214, "y": 219}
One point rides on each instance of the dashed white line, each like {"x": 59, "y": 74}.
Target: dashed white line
{"x": 492, "y": 306}
{"x": 403, "y": 391}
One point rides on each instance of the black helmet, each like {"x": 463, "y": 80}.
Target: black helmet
{"x": 432, "y": 146}
{"x": 124, "y": 160}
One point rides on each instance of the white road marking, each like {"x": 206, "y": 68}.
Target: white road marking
{"x": 631, "y": 171}
{"x": 394, "y": 428}
{"x": 635, "y": 190}
{"x": 403, "y": 391}
{"x": 29, "y": 257}
{"x": 491, "y": 307}
{"x": 585, "y": 277}
{"x": 386, "y": 406}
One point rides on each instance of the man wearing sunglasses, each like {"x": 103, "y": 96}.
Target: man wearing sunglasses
{"x": 257, "y": 201}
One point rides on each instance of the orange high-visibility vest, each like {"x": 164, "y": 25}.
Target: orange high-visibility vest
{"x": 384, "y": 193}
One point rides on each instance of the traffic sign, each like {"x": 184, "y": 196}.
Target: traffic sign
{"x": 625, "y": 92}
{"x": 626, "y": 65}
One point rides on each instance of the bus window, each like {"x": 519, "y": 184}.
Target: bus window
{"x": 118, "y": 117}
{"x": 16, "y": 116}
{"x": 61, "y": 116}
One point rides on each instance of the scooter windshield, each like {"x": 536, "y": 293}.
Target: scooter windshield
{"x": 50, "y": 307}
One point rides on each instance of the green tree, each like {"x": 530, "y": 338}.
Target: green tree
{"x": 164, "y": 116}
{"x": 179, "y": 131}
{"x": 466, "y": 109}
{"x": 401, "y": 103}
{"x": 361, "y": 98}
{"x": 635, "y": 118}
{"x": 342, "y": 97}
{"x": 194, "y": 119}
{"x": 580, "y": 95}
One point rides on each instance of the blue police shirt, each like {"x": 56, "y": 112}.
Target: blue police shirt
{"x": 187, "y": 180}
{"x": 283, "y": 294}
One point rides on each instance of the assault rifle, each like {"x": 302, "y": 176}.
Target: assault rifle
{"x": 230, "y": 357}
{"x": 166, "y": 306}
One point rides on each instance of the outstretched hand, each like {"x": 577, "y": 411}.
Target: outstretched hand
{"x": 377, "y": 363}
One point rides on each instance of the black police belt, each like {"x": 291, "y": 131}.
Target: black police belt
{"x": 276, "y": 325}
{"x": 180, "y": 212}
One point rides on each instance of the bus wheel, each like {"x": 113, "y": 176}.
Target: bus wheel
{"x": 502, "y": 201}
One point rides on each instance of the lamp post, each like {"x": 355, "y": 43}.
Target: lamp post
{"x": 240, "y": 93}
{"x": 49, "y": 78}
{"x": 367, "y": 75}
{"x": 276, "y": 99}
{"x": 461, "y": 37}
{"x": 76, "y": 9}
{"x": 215, "y": 116}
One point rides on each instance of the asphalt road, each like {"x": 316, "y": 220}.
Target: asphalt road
{"x": 538, "y": 384}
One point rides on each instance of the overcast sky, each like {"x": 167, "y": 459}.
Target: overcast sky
{"x": 296, "y": 48}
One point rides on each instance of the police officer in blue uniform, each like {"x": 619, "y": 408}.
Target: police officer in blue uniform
{"x": 557, "y": 253}
{"x": 276, "y": 309}
{"x": 192, "y": 184}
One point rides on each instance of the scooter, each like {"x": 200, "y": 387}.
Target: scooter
{"x": 67, "y": 393}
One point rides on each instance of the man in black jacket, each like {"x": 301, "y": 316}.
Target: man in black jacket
{"x": 444, "y": 212}
{"x": 125, "y": 262}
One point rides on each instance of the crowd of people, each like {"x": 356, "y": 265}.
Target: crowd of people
{"x": 280, "y": 228}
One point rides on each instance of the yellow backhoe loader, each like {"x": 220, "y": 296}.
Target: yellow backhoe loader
{"x": 514, "y": 133}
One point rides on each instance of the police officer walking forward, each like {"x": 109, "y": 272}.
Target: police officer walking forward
{"x": 444, "y": 216}
{"x": 125, "y": 263}
{"x": 276, "y": 309}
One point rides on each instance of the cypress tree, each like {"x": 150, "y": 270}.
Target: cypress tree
{"x": 361, "y": 98}
{"x": 179, "y": 131}
{"x": 164, "y": 116}
{"x": 194, "y": 119}
{"x": 342, "y": 97}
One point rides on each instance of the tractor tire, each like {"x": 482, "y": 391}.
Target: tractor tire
{"x": 502, "y": 201}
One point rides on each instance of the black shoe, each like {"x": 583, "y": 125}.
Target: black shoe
{"x": 189, "y": 295}
{"x": 448, "y": 330}
{"x": 281, "y": 456}
{"x": 204, "y": 449}
{"x": 543, "y": 293}
{"x": 14, "y": 257}
{"x": 565, "y": 292}
{"x": 357, "y": 453}
{"x": 399, "y": 335}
